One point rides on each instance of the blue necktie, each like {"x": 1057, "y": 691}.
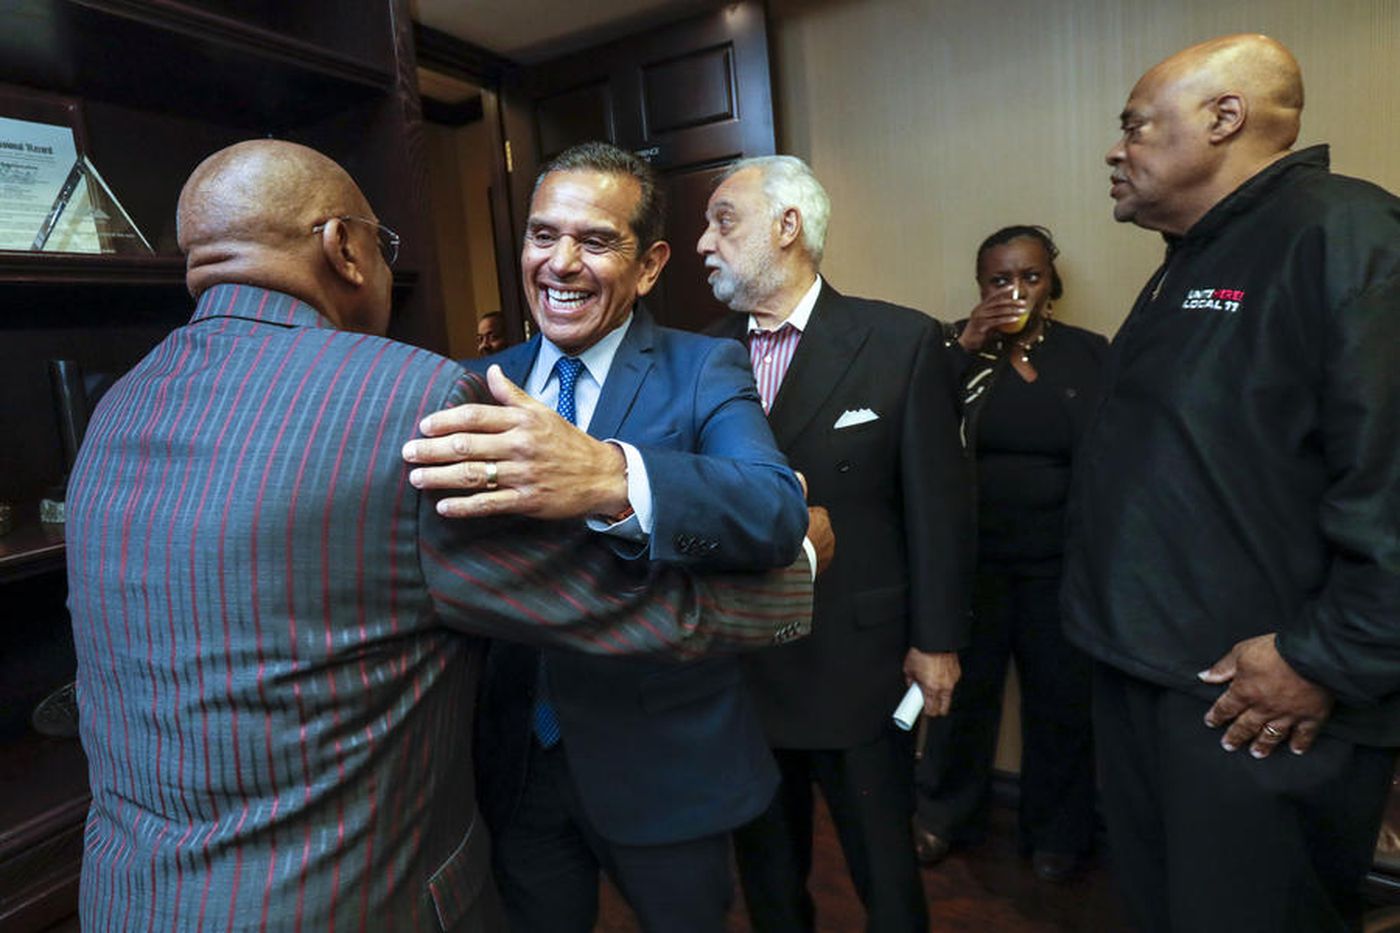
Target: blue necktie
{"x": 545, "y": 718}
{"x": 567, "y": 369}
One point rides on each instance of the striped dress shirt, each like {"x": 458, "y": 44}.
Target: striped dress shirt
{"x": 275, "y": 706}
{"x": 771, "y": 351}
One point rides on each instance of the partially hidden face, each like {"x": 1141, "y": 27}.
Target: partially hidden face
{"x": 379, "y": 278}
{"x": 739, "y": 244}
{"x": 580, "y": 264}
{"x": 490, "y": 335}
{"x": 1022, "y": 266}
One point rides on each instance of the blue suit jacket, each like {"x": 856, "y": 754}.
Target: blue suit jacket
{"x": 661, "y": 752}
{"x": 276, "y": 711}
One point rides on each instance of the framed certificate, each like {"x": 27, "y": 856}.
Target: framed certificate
{"x": 40, "y": 142}
{"x": 52, "y": 198}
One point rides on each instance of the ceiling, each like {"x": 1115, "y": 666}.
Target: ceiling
{"x": 529, "y": 31}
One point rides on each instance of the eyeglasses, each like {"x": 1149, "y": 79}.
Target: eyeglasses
{"x": 388, "y": 239}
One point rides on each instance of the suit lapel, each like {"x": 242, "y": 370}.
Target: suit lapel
{"x": 517, "y": 361}
{"x": 827, "y": 349}
{"x": 629, "y": 369}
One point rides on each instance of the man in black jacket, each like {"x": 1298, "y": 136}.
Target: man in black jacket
{"x": 1233, "y": 562}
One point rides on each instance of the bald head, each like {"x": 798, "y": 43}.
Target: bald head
{"x": 248, "y": 214}
{"x": 1199, "y": 124}
{"x": 1257, "y": 68}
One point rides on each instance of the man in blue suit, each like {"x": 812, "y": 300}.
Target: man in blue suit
{"x": 649, "y": 765}
{"x": 270, "y": 624}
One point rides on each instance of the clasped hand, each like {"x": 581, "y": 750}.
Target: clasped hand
{"x": 1266, "y": 701}
{"x": 936, "y": 673}
{"x": 545, "y": 467}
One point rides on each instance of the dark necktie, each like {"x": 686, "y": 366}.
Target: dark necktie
{"x": 546, "y": 720}
{"x": 567, "y": 369}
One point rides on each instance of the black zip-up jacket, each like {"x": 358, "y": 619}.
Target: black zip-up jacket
{"x": 1242, "y": 475}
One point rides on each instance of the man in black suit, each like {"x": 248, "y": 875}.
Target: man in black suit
{"x": 860, "y": 397}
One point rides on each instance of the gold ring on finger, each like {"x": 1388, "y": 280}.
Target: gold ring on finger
{"x": 1272, "y": 731}
{"x": 490, "y": 475}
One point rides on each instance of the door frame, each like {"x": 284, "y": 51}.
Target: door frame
{"x": 438, "y": 51}
{"x": 508, "y": 113}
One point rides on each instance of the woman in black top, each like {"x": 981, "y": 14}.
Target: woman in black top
{"x": 1028, "y": 390}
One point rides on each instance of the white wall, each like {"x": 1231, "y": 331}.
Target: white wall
{"x": 933, "y": 124}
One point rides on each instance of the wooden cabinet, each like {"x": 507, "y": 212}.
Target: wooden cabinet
{"x": 159, "y": 85}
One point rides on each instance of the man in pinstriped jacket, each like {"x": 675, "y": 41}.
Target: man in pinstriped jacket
{"x": 275, "y": 686}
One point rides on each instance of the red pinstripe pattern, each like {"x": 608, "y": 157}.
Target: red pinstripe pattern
{"x": 366, "y": 493}
{"x": 99, "y": 843}
{"x": 520, "y": 609}
{"x": 256, "y": 603}
{"x": 104, "y": 845}
{"x": 216, "y": 462}
{"x": 327, "y": 618}
{"x": 172, "y": 615}
{"x": 422, "y": 741}
{"x": 147, "y": 626}
{"x": 224, "y": 611}
{"x": 593, "y": 633}
{"x": 289, "y": 549}
{"x": 197, "y": 630}
{"x": 770, "y": 352}
{"x": 241, "y": 486}
{"x": 181, "y": 731}
{"x": 155, "y": 413}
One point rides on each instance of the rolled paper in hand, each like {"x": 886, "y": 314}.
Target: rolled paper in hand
{"x": 907, "y": 713}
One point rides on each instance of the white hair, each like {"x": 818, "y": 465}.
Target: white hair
{"x": 789, "y": 182}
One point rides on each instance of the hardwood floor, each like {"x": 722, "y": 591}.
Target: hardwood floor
{"x": 988, "y": 890}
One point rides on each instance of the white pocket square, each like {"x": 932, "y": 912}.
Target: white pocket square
{"x": 854, "y": 416}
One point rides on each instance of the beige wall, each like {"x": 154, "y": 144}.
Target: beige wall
{"x": 459, "y": 172}
{"x": 934, "y": 123}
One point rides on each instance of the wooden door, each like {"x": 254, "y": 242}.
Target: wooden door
{"x": 690, "y": 98}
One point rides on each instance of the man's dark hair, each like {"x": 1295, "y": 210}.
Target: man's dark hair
{"x": 649, "y": 220}
{"x": 1032, "y": 232}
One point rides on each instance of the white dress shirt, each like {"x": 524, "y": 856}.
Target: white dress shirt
{"x": 543, "y": 385}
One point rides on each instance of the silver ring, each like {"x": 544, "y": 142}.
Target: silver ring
{"x": 1272, "y": 731}
{"x": 490, "y": 475}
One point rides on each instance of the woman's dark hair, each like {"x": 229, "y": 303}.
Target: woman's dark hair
{"x": 1032, "y": 232}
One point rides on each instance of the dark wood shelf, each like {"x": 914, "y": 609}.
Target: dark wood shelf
{"x": 43, "y": 786}
{"x": 90, "y": 268}
{"x": 31, "y": 547}
{"x": 43, "y": 806}
{"x": 150, "y": 88}
{"x": 28, "y": 268}
{"x": 131, "y": 52}
{"x": 205, "y": 27}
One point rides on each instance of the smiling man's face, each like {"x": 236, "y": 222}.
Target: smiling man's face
{"x": 581, "y": 264}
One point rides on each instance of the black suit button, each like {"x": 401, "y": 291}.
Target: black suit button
{"x": 843, "y": 467}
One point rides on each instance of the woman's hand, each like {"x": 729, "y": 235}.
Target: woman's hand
{"x": 995, "y": 310}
